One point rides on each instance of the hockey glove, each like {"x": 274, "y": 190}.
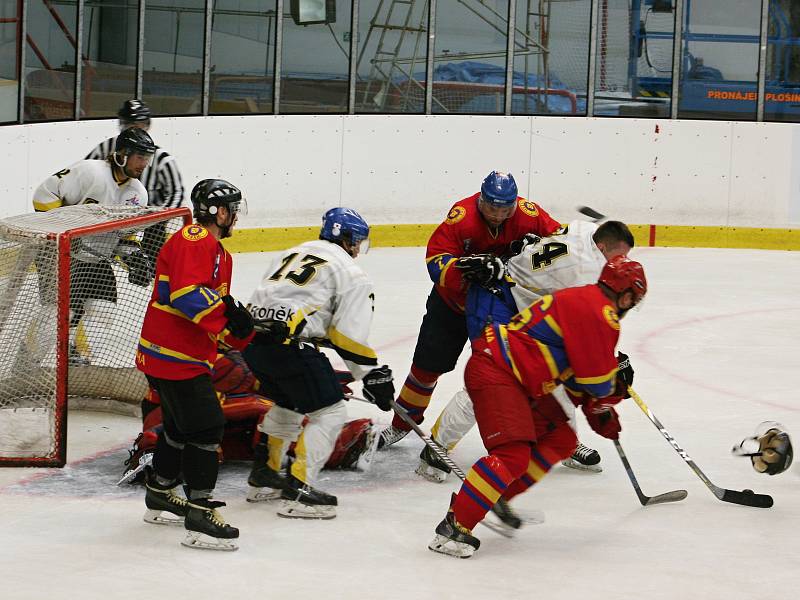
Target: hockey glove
{"x": 141, "y": 268}
{"x": 624, "y": 375}
{"x": 379, "y": 387}
{"x": 483, "y": 269}
{"x": 271, "y": 332}
{"x": 240, "y": 321}
{"x": 605, "y": 422}
{"x": 517, "y": 246}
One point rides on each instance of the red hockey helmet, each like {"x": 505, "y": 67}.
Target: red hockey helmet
{"x": 621, "y": 274}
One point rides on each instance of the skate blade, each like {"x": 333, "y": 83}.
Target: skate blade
{"x": 368, "y": 457}
{"x": 574, "y": 464}
{"x": 264, "y": 494}
{"x": 298, "y": 510}
{"x": 130, "y": 475}
{"x": 160, "y": 517}
{"x": 201, "y": 541}
{"x": 444, "y": 545}
{"x": 430, "y": 473}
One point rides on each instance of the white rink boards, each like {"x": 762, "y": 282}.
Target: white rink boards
{"x": 714, "y": 347}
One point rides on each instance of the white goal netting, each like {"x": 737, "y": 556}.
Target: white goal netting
{"x": 74, "y": 286}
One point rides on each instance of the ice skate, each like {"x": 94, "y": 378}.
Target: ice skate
{"x": 265, "y": 484}
{"x": 431, "y": 467}
{"x": 301, "y": 501}
{"x": 391, "y": 435}
{"x": 206, "y": 529}
{"x": 584, "y": 459}
{"x": 164, "y": 506}
{"x": 454, "y": 539}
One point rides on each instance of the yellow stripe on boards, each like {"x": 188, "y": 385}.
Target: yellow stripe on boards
{"x": 406, "y": 235}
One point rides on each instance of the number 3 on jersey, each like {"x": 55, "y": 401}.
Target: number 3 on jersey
{"x": 549, "y": 252}
{"x": 301, "y": 275}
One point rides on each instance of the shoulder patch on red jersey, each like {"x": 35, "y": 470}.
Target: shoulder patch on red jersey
{"x": 528, "y": 207}
{"x": 194, "y": 233}
{"x": 456, "y": 214}
{"x": 612, "y": 318}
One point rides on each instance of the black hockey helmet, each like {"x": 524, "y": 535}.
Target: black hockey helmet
{"x": 209, "y": 194}
{"x": 134, "y": 111}
{"x": 134, "y": 140}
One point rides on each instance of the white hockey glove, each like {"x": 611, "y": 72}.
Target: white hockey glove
{"x": 518, "y": 246}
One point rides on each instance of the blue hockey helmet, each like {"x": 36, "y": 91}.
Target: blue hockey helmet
{"x": 499, "y": 190}
{"x": 345, "y": 225}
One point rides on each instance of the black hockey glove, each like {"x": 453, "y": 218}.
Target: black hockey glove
{"x": 270, "y": 332}
{"x": 141, "y": 268}
{"x": 517, "y": 246}
{"x": 483, "y": 269}
{"x": 379, "y": 387}
{"x": 240, "y": 321}
{"x": 624, "y": 375}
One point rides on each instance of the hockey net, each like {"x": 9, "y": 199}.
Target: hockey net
{"x": 74, "y": 286}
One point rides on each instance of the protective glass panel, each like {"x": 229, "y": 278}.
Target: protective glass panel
{"x": 315, "y": 64}
{"x": 551, "y": 56}
{"x": 242, "y": 56}
{"x": 109, "y": 56}
{"x": 469, "y": 74}
{"x": 50, "y": 61}
{"x": 634, "y": 58}
{"x": 9, "y": 59}
{"x": 392, "y": 48}
{"x": 719, "y": 68}
{"x": 782, "y": 100}
{"x": 173, "y": 56}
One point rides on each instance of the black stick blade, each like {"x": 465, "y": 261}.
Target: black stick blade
{"x": 747, "y": 498}
{"x": 591, "y": 213}
{"x": 673, "y": 496}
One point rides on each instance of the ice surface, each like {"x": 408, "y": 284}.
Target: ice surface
{"x": 714, "y": 347}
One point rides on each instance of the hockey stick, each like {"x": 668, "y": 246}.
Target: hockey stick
{"x": 745, "y": 497}
{"x": 673, "y": 496}
{"x": 591, "y": 213}
{"x": 503, "y": 529}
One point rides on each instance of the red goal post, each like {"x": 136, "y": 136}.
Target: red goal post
{"x": 74, "y": 285}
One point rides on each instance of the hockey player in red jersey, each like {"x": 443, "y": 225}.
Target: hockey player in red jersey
{"x": 486, "y": 222}
{"x": 568, "y": 337}
{"x": 191, "y": 312}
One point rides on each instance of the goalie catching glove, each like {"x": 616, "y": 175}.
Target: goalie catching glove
{"x": 770, "y": 450}
{"x": 483, "y": 269}
{"x": 240, "y": 321}
{"x": 379, "y": 387}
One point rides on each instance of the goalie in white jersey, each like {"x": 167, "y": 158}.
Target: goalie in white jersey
{"x": 572, "y": 257}
{"x": 313, "y": 294}
{"x": 112, "y": 182}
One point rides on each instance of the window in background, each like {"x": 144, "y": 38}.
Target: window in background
{"x": 174, "y": 34}
{"x": 392, "y": 47}
{"x": 782, "y": 100}
{"x": 633, "y": 68}
{"x": 242, "y": 56}
{"x": 9, "y": 60}
{"x": 469, "y": 74}
{"x": 719, "y": 60}
{"x": 109, "y": 56}
{"x": 50, "y": 62}
{"x": 315, "y": 62}
{"x": 551, "y": 57}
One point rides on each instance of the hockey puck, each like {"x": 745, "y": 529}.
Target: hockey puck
{"x": 748, "y": 492}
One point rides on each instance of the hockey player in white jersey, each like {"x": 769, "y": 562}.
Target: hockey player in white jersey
{"x": 114, "y": 183}
{"x": 319, "y": 295}
{"x": 572, "y": 257}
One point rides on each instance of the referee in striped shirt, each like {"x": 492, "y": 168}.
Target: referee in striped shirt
{"x": 162, "y": 178}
